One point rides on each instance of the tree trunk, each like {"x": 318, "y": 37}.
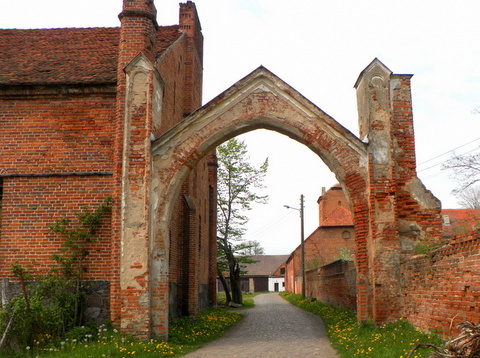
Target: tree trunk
{"x": 228, "y": 297}
{"x": 235, "y": 283}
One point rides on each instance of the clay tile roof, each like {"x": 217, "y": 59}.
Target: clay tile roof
{"x": 67, "y": 55}
{"x": 340, "y": 217}
{"x": 166, "y": 36}
{"x": 459, "y": 221}
{"x": 58, "y": 56}
{"x": 266, "y": 265}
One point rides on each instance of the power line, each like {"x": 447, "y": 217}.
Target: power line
{"x": 434, "y": 175}
{"x": 450, "y": 151}
{"x": 267, "y": 227}
{"x": 435, "y": 165}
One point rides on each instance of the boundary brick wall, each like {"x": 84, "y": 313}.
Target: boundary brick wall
{"x": 442, "y": 288}
{"x": 333, "y": 284}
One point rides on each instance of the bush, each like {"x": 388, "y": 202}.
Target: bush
{"x": 49, "y": 306}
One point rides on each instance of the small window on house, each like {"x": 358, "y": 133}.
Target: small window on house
{"x": 446, "y": 220}
{"x": 346, "y": 234}
{"x": 282, "y": 271}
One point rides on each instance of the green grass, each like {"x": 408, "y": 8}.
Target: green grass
{"x": 186, "y": 335}
{"x": 350, "y": 339}
{"x": 247, "y": 299}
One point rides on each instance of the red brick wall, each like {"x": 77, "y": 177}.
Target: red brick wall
{"x": 56, "y": 133}
{"x": 292, "y": 281}
{"x": 428, "y": 225}
{"x": 30, "y": 205}
{"x": 47, "y": 136}
{"x": 333, "y": 284}
{"x": 190, "y": 23}
{"x": 62, "y": 149}
{"x": 192, "y": 264}
{"x": 172, "y": 69}
{"x": 442, "y": 288}
{"x": 325, "y": 244}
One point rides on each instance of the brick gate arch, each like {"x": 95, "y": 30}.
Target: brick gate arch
{"x": 392, "y": 209}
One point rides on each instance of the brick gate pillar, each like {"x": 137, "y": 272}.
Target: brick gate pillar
{"x": 402, "y": 212}
{"x": 383, "y": 246}
{"x": 138, "y": 94}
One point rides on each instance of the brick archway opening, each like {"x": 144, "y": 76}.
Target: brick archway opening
{"x": 259, "y": 101}
{"x": 391, "y": 208}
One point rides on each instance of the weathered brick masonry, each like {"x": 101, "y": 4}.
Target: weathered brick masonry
{"x": 333, "y": 284}
{"x": 373, "y": 175}
{"x": 439, "y": 289}
{"x": 79, "y": 109}
{"x": 442, "y": 288}
{"x": 95, "y": 112}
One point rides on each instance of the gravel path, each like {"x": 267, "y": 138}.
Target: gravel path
{"x": 273, "y": 328}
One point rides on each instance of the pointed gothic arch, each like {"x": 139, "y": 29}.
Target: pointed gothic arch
{"x": 392, "y": 210}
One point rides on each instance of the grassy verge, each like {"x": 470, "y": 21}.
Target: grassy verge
{"x": 247, "y": 299}
{"x": 186, "y": 335}
{"x": 351, "y": 339}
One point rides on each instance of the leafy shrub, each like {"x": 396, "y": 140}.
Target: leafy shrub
{"x": 49, "y": 306}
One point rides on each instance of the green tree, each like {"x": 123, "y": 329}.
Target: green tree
{"x": 237, "y": 180}
{"x": 253, "y": 247}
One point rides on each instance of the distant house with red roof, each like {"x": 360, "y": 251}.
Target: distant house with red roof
{"x": 267, "y": 273}
{"x": 459, "y": 221}
{"x": 334, "y": 238}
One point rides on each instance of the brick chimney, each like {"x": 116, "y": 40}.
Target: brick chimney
{"x": 138, "y": 29}
{"x": 190, "y": 25}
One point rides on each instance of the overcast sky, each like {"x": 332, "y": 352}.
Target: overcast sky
{"x": 320, "y": 47}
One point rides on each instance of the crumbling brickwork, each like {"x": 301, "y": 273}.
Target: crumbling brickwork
{"x": 442, "y": 287}
{"x": 120, "y": 115}
{"x": 334, "y": 284}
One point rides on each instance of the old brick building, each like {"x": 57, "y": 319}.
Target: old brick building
{"x": 87, "y": 113}
{"x": 266, "y": 273}
{"x": 333, "y": 239}
{"x": 79, "y": 109}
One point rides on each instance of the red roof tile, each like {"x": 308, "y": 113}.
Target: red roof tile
{"x": 65, "y": 56}
{"x": 459, "y": 221}
{"x": 58, "y": 56}
{"x": 266, "y": 265}
{"x": 166, "y": 36}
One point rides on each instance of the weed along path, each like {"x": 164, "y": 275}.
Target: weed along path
{"x": 273, "y": 328}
